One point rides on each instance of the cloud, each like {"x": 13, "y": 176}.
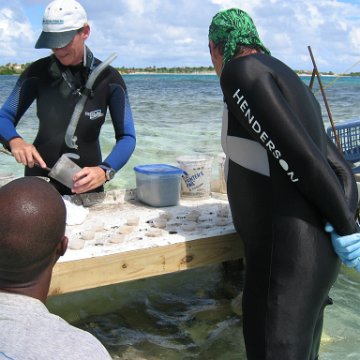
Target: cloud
{"x": 15, "y": 31}
{"x": 354, "y": 37}
{"x": 174, "y": 32}
{"x": 161, "y": 33}
{"x": 324, "y": 25}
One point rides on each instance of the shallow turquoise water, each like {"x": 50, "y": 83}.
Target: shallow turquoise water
{"x": 188, "y": 315}
{"x": 180, "y": 115}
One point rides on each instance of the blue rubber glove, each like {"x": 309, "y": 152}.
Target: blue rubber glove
{"x": 347, "y": 247}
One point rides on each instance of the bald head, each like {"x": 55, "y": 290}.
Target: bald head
{"x": 32, "y": 224}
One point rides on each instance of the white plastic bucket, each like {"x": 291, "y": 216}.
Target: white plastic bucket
{"x": 221, "y": 157}
{"x": 196, "y": 180}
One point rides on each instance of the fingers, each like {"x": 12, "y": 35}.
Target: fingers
{"x": 25, "y": 153}
{"x": 27, "y": 156}
{"x": 354, "y": 264}
{"x": 350, "y": 253}
{"x": 348, "y": 250}
{"x": 87, "y": 179}
{"x": 346, "y": 247}
{"x": 329, "y": 228}
{"x": 39, "y": 160}
{"x": 357, "y": 267}
{"x": 347, "y": 241}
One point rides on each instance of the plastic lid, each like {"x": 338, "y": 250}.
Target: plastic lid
{"x": 158, "y": 169}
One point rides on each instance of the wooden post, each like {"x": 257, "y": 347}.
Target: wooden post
{"x": 311, "y": 84}
{"x": 316, "y": 72}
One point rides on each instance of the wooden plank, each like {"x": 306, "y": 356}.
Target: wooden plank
{"x": 131, "y": 265}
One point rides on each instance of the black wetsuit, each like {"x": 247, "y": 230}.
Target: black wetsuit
{"x": 56, "y": 90}
{"x": 285, "y": 180}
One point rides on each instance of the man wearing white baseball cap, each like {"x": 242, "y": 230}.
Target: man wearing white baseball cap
{"x": 61, "y": 22}
{"x": 73, "y": 92}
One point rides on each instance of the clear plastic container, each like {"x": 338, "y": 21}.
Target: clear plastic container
{"x": 64, "y": 170}
{"x": 158, "y": 184}
{"x": 221, "y": 157}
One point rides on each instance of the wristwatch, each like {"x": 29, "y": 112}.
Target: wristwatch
{"x": 109, "y": 172}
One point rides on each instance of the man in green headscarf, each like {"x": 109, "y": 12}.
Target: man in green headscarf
{"x": 234, "y": 28}
{"x": 285, "y": 180}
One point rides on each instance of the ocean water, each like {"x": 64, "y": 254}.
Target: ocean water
{"x": 192, "y": 314}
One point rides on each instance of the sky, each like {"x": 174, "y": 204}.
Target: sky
{"x": 170, "y": 33}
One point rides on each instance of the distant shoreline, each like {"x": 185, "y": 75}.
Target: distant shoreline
{"x": 168, "y": 73}
{"x": 17, "y": 69}
{"x": 213, "y": 73}
{"x": 136, "y": 73}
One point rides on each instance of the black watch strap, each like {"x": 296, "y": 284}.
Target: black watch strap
{"x": 109, "y": 172}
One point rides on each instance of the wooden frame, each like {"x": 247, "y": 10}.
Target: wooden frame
{"x": 104, "y": 270}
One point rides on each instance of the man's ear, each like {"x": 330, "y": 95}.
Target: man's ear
{"x": 216, "y": 57}
{"x": 211, "y": 46}
{"x": 86, "y": 32}
{"x": 214, "y": 51}
{"x": 62, "y": 247}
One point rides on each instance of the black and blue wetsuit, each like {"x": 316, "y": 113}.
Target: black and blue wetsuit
{"x": 55, "y": 89}
{"x": 285, "y": 180}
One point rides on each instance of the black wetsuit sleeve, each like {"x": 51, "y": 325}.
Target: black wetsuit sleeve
{"x": 344, "y": 174}
{"x": 273, "y": 118}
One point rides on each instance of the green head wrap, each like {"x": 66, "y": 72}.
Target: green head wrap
{"x": 234, "y": 27}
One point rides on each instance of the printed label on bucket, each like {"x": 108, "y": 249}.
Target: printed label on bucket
{"x": 197, "y": 176}
{"x": 195, "y": 181}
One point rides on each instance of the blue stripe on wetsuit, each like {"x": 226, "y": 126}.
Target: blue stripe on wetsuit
{"x": 13, "y": 109}
{"x": 124, "y": 148}
{"x": 56, "y": 101}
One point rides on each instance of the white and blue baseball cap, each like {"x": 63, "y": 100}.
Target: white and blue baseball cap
{"x": 61, "y": 21}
